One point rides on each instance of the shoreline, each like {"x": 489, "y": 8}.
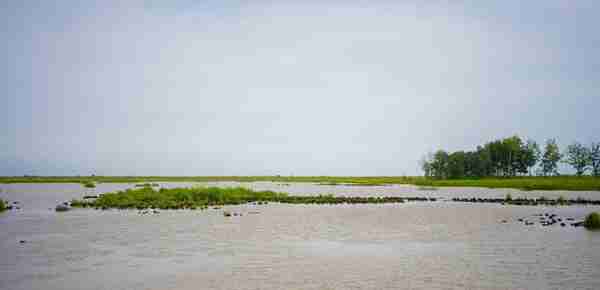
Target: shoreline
{"x": 571, "y": 183}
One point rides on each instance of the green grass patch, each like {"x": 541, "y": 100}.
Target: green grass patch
{"x": 525, "y": 183}
{"x": 88, "y": 184}
{"x": 592, "y": 221}
{"x": 202, "y": 197}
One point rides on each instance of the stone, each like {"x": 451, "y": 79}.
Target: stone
{"x": 62, "y": 207}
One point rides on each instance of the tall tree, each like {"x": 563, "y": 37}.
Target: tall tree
{"x": 550, "y": 158}
{"x": 484, "y": 166}
{"x": 426, "y": 164}
{"x": 511, "y": 151}
{"x": 578, "y": 156}
{"x": 439, "y": 165}
{"x": 530, "y": 156}
{"x": 595, "y": 158}
{"x": 456, "y": 165}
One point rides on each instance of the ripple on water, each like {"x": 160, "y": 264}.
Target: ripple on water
{"x": 411, "y": 245}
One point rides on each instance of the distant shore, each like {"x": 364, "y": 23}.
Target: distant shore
{"x": 573, "y": 183}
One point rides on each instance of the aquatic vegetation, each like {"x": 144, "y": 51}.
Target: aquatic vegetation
{"x": 561, "y": 200}
{"x": 89, "y": 184}
{"x": 202, "y": 197}
{"x": 592, "y": 221}
{"x": 3, "y": 206}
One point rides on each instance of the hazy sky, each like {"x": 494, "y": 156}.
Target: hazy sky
{"x": 290, "y": 87}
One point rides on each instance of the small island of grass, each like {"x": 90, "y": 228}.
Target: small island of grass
{"x": 88, "y": 184}
{"x": 3, "y": 206}
{"x": 202, "y": 197}
{"x": 592, "y": 221}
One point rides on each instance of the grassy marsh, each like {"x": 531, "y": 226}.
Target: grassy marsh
{"x": 525, "y": 183}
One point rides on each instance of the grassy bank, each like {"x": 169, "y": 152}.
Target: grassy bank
{"x": 202, "y": 197}
{"x": 526, "y": 183}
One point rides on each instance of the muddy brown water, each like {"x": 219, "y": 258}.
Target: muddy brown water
{"x": 415, "y": 245}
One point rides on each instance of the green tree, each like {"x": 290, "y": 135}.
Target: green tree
{"x": 550, "y": 158}
{"x": 578, "y": 156}
{"x": 426, "y": 163}
{"x": 595, "y": 158}
{"x": 456, "y": 165}
{"x": 530, "y": 155}
{"x": 513, "y": 147}
{"x": 496, "y": 154}
{"x": 484, "y": 165}
{"x": 439, "y": 165}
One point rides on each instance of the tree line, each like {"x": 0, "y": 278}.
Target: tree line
{"x": 510, "y": 157}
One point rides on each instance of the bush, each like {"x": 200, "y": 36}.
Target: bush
{"x": 592, "y": 221}
{"x": 2, "y": 205}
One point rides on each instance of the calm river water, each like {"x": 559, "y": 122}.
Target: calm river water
{"x": 415, "y": 245}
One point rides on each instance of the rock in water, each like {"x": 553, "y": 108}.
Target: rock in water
{"x": 62, "y": 207}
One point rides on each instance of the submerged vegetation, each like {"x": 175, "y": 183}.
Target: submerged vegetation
{"x": 592, "y": 221}
{"x": 202, "y": 197}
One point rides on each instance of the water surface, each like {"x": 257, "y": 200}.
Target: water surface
{"x": 412, "y": 245}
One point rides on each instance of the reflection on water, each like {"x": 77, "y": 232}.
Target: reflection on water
{"x": 390, "y": 246}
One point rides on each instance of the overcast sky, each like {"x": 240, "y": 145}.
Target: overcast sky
{"x": 295, "y": 87}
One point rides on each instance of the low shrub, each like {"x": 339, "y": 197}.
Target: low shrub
{"x": 592, "y": 221}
